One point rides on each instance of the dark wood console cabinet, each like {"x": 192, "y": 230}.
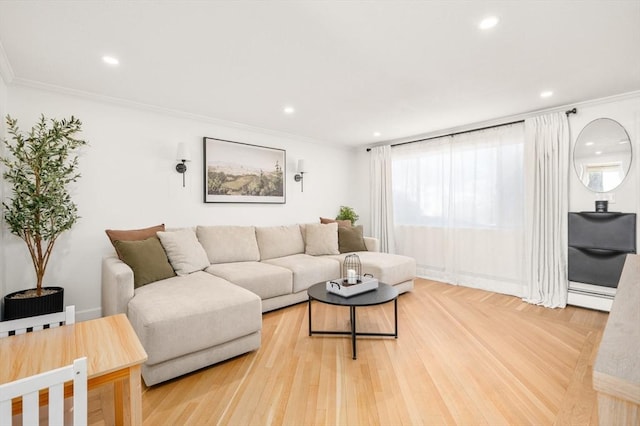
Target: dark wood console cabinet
{"x": 598, "y": 246}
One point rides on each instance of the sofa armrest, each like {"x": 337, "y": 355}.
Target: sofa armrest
{"x": 117, "y": 286}
{"x": 373, "y": 244}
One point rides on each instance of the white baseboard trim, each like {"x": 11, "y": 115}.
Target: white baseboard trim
{"x": 502, "y": 287}
{"x": 88, "y": 314}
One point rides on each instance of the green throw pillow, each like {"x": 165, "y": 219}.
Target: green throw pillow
{"x": 147, "y": 258}
{"x": 350, "y": 239}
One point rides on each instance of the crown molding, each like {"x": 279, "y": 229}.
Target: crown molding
{"x": 6, "y": 72}
{"x": 593, "y": 102}
{"x": 511, "y": 118}
{"x": 17, "y": 81}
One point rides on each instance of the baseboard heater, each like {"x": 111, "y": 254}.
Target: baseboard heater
{"x": 591, "y": 293}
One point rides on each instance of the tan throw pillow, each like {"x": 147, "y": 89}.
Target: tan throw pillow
{"x": 321, "y": 239}
{"x": 345, "y": 223}
{"x": 351, "y": 239}
{"x": 184, "y": 251}
{"x": 146, "y": 258}
{"x": 132, "y": 235}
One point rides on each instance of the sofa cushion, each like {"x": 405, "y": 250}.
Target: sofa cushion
{"x": 263, "y": 279}
{"x": 192, "y": 312}
{"x": 132, "y": 234}
{"x": 308, "y": 270}
{"x": 388, "y": 268}
{"x": 225, "y": 244}
{"x": 351, "y": 239}
{"x": 147, "y": 260}
{"x": 321, "y": 239}
{"x": 184, "y": 251}
{"x": 279, "y": 241}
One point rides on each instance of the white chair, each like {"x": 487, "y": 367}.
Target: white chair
{"x": 21, "y": 326}
{"x": 54, "y": 380}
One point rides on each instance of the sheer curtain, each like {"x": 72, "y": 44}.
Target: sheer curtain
{"x": 381, "y": 197}
{"x": 547, "y": 166}
{"x": 459, "y": 207}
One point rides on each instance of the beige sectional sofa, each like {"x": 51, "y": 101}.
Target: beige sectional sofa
{"x": 214, "y": 311}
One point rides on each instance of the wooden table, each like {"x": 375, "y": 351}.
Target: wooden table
{"x": 114, "y": 355}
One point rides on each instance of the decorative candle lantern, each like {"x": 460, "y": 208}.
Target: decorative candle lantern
{"x": 352, "y": 270}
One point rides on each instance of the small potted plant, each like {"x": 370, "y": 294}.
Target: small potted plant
{"x": 39, "y": 166}
{"x": 347, "y": 213}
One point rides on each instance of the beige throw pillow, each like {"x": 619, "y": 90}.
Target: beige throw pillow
{"x": 321, "y": 239}
{"x": 184, "y": 251}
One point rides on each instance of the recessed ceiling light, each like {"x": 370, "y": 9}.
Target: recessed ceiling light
{"x": 598, "y": 152}
{"x": 289, "y": 110}
{"x": 546, "y": 94}
{"x": 488, "y": 22}
{"x": 588, "y": 143}
{"x": 110, "y": 60}
{"x": 376, "y": 134}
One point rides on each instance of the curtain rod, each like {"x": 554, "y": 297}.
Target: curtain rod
{"x": 568, "y": 112}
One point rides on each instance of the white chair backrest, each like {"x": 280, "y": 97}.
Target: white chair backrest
{"x": 20, "y": 326}
{"x": 54, "y": 380}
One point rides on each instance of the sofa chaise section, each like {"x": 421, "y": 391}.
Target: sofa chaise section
{"x": 202, "y": 316}
{"x": 185, "y": 322}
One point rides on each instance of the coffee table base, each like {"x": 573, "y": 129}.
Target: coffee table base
{"x": 353, "y": 333}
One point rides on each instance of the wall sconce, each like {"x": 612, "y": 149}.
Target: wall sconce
{"x": 183, "y": 156}
{"x": 299, "y": 177}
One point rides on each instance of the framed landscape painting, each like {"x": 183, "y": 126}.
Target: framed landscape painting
{"x": 236, "y": 172}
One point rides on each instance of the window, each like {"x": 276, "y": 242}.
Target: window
{"x": 459, "y": 205}
{"x": 470, "y": 180}
{"x": 604, "y": 175}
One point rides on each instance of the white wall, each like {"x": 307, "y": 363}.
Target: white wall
{"x": 129, "y": 181}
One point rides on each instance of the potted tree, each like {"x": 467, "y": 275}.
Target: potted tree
{"x": 39, "y": 166}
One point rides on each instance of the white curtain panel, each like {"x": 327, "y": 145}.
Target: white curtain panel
{"x": 458, "y": 206}
{"x": 381, "y": 197}
{"x": 547, "y": 143}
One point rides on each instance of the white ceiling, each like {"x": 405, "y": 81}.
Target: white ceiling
{"x": 350, "y": 68}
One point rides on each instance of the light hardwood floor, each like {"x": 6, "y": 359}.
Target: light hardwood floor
{"x": 463, "y": 356}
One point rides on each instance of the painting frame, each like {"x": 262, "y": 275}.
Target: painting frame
{"x": 238, "y": 172}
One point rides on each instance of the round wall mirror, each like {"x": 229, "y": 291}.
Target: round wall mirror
{"x": 602, "y": 155}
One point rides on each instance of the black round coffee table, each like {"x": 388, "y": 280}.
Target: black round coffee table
{"x": 383, "y": 294}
